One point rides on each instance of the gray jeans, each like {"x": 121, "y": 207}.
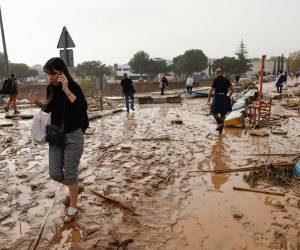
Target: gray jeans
{"x": 64, "y": 161}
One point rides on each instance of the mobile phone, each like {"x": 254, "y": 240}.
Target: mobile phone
{"x": 59, "y": 76}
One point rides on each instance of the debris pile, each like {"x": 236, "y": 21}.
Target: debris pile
{"x": 277, "y": 176}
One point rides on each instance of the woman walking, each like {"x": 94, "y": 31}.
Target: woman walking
{"x": 68, "y": 108}
{"x": 189, "y": 84}
{"x": 221, "y": 103}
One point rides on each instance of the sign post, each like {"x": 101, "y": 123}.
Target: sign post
{"x": 65, "y": 42}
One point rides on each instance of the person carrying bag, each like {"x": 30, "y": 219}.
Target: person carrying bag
{"x": 68, "y": 108}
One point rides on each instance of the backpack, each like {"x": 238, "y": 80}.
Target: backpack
{"x": 8, "y": 87}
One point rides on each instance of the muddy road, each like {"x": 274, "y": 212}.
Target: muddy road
{"x": 143, "y": 183}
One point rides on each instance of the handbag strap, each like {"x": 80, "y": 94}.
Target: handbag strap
{"x": 63, "y": 114}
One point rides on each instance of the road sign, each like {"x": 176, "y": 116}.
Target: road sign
{"x": 67, "y": 56}
{"x": 65, "y": 40}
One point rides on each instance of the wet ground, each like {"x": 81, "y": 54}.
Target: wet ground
{"x": 148, "y": 170}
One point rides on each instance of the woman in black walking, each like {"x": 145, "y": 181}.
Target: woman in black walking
{"x": 221, "y": 103}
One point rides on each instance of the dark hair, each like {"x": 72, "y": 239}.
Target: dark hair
{"x": 57, "y": 63}
{"x": 13, "y": 75}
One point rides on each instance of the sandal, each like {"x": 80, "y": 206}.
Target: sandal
{"x": 66, "y": 201}
{"x": 70, "y": 217}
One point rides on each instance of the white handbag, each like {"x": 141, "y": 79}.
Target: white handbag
{"x": 39, "y": 123}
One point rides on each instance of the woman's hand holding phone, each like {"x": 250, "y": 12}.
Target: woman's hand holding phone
{"x": 64, "y": 81}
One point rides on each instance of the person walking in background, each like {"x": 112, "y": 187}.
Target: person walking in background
{"x": 237, "y": 80}
{"x": 68, "y": 107}
{"x": 221, "y": 103}
{"x": 10, "y": 87}
{"x": 128, "y": 91}
{"x": 163, "y": 84}
{"x": 280, "y": 81}
{"x": 189, "y": 83}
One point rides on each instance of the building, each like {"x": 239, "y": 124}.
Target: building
{"x": 121, "y": 69}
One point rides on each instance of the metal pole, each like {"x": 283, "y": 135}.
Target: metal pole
{"x": 66, "y": 51}
{"x": 4, "y": 45}
{"x": 101, "y": 93}
{"x": 260, "y": 87}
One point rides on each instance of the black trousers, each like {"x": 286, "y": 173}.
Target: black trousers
{"x": 162, "y": 90}
{"x": 279, "y": 88}
{"x": 189, "y": 89}
{"x": 220, "y": 118}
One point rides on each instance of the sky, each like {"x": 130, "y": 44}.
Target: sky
{"x": 113, "y": 30}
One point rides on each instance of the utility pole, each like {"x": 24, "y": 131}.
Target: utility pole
{"x": 262, "y": 69}
{"x": 4, "y": 46}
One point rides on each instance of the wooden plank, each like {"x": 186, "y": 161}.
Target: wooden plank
{"x": 257, "y": 191}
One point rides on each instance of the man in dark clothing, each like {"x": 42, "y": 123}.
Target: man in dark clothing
{"x": 12, "y": 92}
{"x": 280, "y": 81}
{"x": 237, "y": 80}
{"x": 128, "y": 91}
{"x": 221, "y": 104}
{"x": 163, "y": 84}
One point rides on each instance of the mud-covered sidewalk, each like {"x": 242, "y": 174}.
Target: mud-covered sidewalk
{"x": 144, "y": 188}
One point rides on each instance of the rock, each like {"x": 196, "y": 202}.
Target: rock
{"x": 260, "y": 133}
{"x": 177, "y": 122}
{"x": 237, "y": 215}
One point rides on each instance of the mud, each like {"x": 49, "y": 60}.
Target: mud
{"x": 152, "y": 196}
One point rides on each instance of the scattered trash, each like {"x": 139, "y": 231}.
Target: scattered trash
{"x": 297, "y": 168}
{"x": 281, "y": 176}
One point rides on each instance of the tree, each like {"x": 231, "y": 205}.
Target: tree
{"x": 94, "y": 70}
{"x": 209, "y": 68}
{"x": 229, "y": 65}
{"x": 294, "y": 63}
{"x": 274, "y": 68}
{"x": 243, "y": 60}
{"x": 139, "y": 64}
{"x": 193, "y": 60}
{"x": 278, "y": 65}
{"x": 282, "y": 62}
{"x": 21, "y": 70}
{"x": 156, "y": 66}
{"x": 2, "y": 65}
